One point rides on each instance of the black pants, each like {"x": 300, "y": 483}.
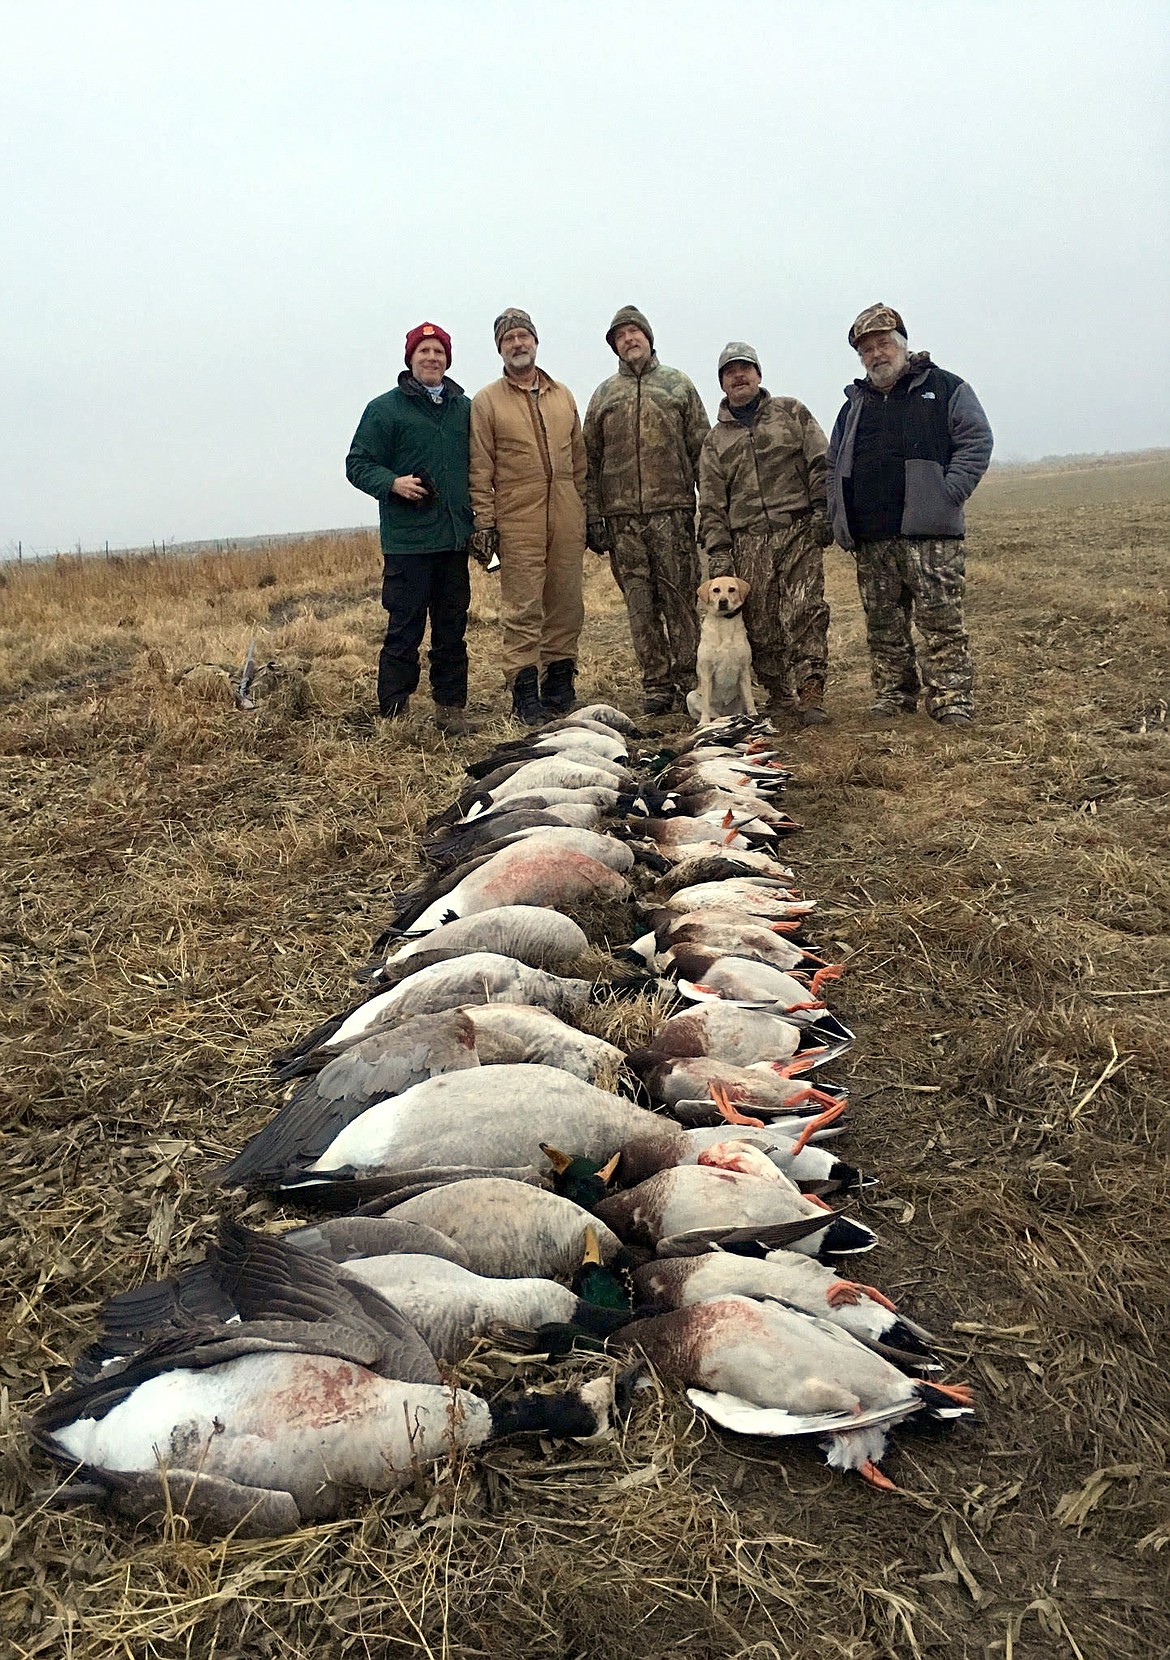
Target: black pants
{"x": 414, "y": 586}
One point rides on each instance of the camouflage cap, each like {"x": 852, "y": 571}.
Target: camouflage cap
{"x": 629, "y": 314}
{"x": 738, "y": 351}
{"x": 876, "y": 319}
{"x": 513, "y": 318}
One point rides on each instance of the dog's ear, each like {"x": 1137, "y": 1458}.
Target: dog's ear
{"x": 745, "y": 588}
{"x": 704, "y": 593}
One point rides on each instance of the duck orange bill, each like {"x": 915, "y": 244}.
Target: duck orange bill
{"x": 733, "y": 1116}
{"x": 820, "y": 1122}
{"x": 592, "y": 1247}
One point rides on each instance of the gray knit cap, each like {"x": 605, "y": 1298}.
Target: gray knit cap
{"x": 737, "y": 351}
{"x": 513, "y": 318}
{"x": 629, "y": 314}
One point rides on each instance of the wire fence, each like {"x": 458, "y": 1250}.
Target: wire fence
{"x": 21, "y": 553}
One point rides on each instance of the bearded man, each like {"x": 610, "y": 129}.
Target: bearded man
{"x": 644, "y": 429}
{"x": 907, "y": 449}
{"x": 528, "y": 496}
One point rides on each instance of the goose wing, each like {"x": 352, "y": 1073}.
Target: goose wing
{"x": 374, "y": 1068}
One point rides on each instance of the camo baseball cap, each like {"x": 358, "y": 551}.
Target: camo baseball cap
{"x": 876, "y": 319}
{"x": 738, "y": 351}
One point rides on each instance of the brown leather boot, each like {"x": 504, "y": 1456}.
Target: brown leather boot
{"x": 453, "y": 720}
{"x": 810, "y": 703}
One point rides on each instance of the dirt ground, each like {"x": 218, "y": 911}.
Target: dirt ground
{"x": 189, "y": 886}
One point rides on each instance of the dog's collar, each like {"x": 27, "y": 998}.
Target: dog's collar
{"x": 727, "y": 615}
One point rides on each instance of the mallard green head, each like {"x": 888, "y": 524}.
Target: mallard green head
{"x": 584, "y": 1181}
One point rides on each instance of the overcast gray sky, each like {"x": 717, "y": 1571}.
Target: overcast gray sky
{"x": 220, "y": 219}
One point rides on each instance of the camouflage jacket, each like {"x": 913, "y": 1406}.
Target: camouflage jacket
{"x": 643, "y": 434}
{"x": 758, "y": 478}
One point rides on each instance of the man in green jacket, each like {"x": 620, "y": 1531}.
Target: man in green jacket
{"x": 411, "y": 452}
{"x": 644, "y": 429}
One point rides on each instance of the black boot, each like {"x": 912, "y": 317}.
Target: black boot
{"x": 556, "y": 687}
{"x": 526, "y": 704}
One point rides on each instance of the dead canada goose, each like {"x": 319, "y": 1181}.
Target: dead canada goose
{"x": 526, "y": 873}
{"x": 760, "y": 1368}
{"x": 515, "y": 1033}
{"x": 411, "y": 903}
{"x": 532, "y": 934}
{"x": 450, "y": 845}
{"x": 231, "y": 1428}
{"x": 786, "y": 1276}
{"x": 605, "y": 714}
{"x": 498, "y": 1122}
{"x": 367, "y": 1071}
{"x": 578, "y": 740}
{"x": 477, "y": 977}
{"x": 551, "y": 772}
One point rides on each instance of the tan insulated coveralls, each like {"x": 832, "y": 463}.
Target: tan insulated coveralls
{"x": 528, "y": 480}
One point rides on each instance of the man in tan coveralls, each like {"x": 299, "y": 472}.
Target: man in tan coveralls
{"x": 528, "y": 496}
{"x": 762, "y": 517}
{"x": 644, "y": 429}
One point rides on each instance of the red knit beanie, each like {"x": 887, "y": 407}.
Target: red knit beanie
{"x": 427, "y": 331}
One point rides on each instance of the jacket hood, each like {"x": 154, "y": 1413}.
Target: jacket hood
{"x": 410, "y": 386}
{"x": 629, "y": 314}
{"x": 916, "y": 365}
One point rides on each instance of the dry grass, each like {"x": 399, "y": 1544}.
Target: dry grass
{"x": 189, "y": 887}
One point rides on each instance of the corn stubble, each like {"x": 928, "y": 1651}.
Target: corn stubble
{"x": 190, "y": 887}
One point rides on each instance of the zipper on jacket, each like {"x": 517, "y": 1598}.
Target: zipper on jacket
{"x": 759, "y": 480}
{"x": 541, "y": 431}
{"x": 638, "y": 441}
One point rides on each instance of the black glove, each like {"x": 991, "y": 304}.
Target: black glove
{"x": 822, "y": 528}
{"x": 597, "y": 536}
{"x": 484, "y": 545}
{"x": 428, "y": 484}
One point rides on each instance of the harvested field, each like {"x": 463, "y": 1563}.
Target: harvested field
{"x": 189, "y": 887}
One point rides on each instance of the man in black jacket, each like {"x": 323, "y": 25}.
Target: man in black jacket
{"x": 908, "y": 448}
{"x": 411, "y": 452}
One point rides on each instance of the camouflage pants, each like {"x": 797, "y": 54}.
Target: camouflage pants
{"x": 785, "y": 614}
{"x": 656, "y": 565}
{"x": 906, "y": 578}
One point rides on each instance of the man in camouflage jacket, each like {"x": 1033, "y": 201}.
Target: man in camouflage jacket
{"x": 644, "y": 429}
{"x": 908, "y": 448}
{"x": 762, "y": 518}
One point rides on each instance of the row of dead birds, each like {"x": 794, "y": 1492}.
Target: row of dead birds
{"x": 471, "y": 1177}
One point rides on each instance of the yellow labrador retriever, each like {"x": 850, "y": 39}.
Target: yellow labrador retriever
{"x": 724, "y": 662}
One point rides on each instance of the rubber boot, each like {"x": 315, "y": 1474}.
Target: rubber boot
{"x": 526, "y": 704}
{"x": 556, "y": 687}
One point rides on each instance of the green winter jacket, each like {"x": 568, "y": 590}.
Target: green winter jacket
{"x": 643, "y": 434}
{"x": 399, "y": 433}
